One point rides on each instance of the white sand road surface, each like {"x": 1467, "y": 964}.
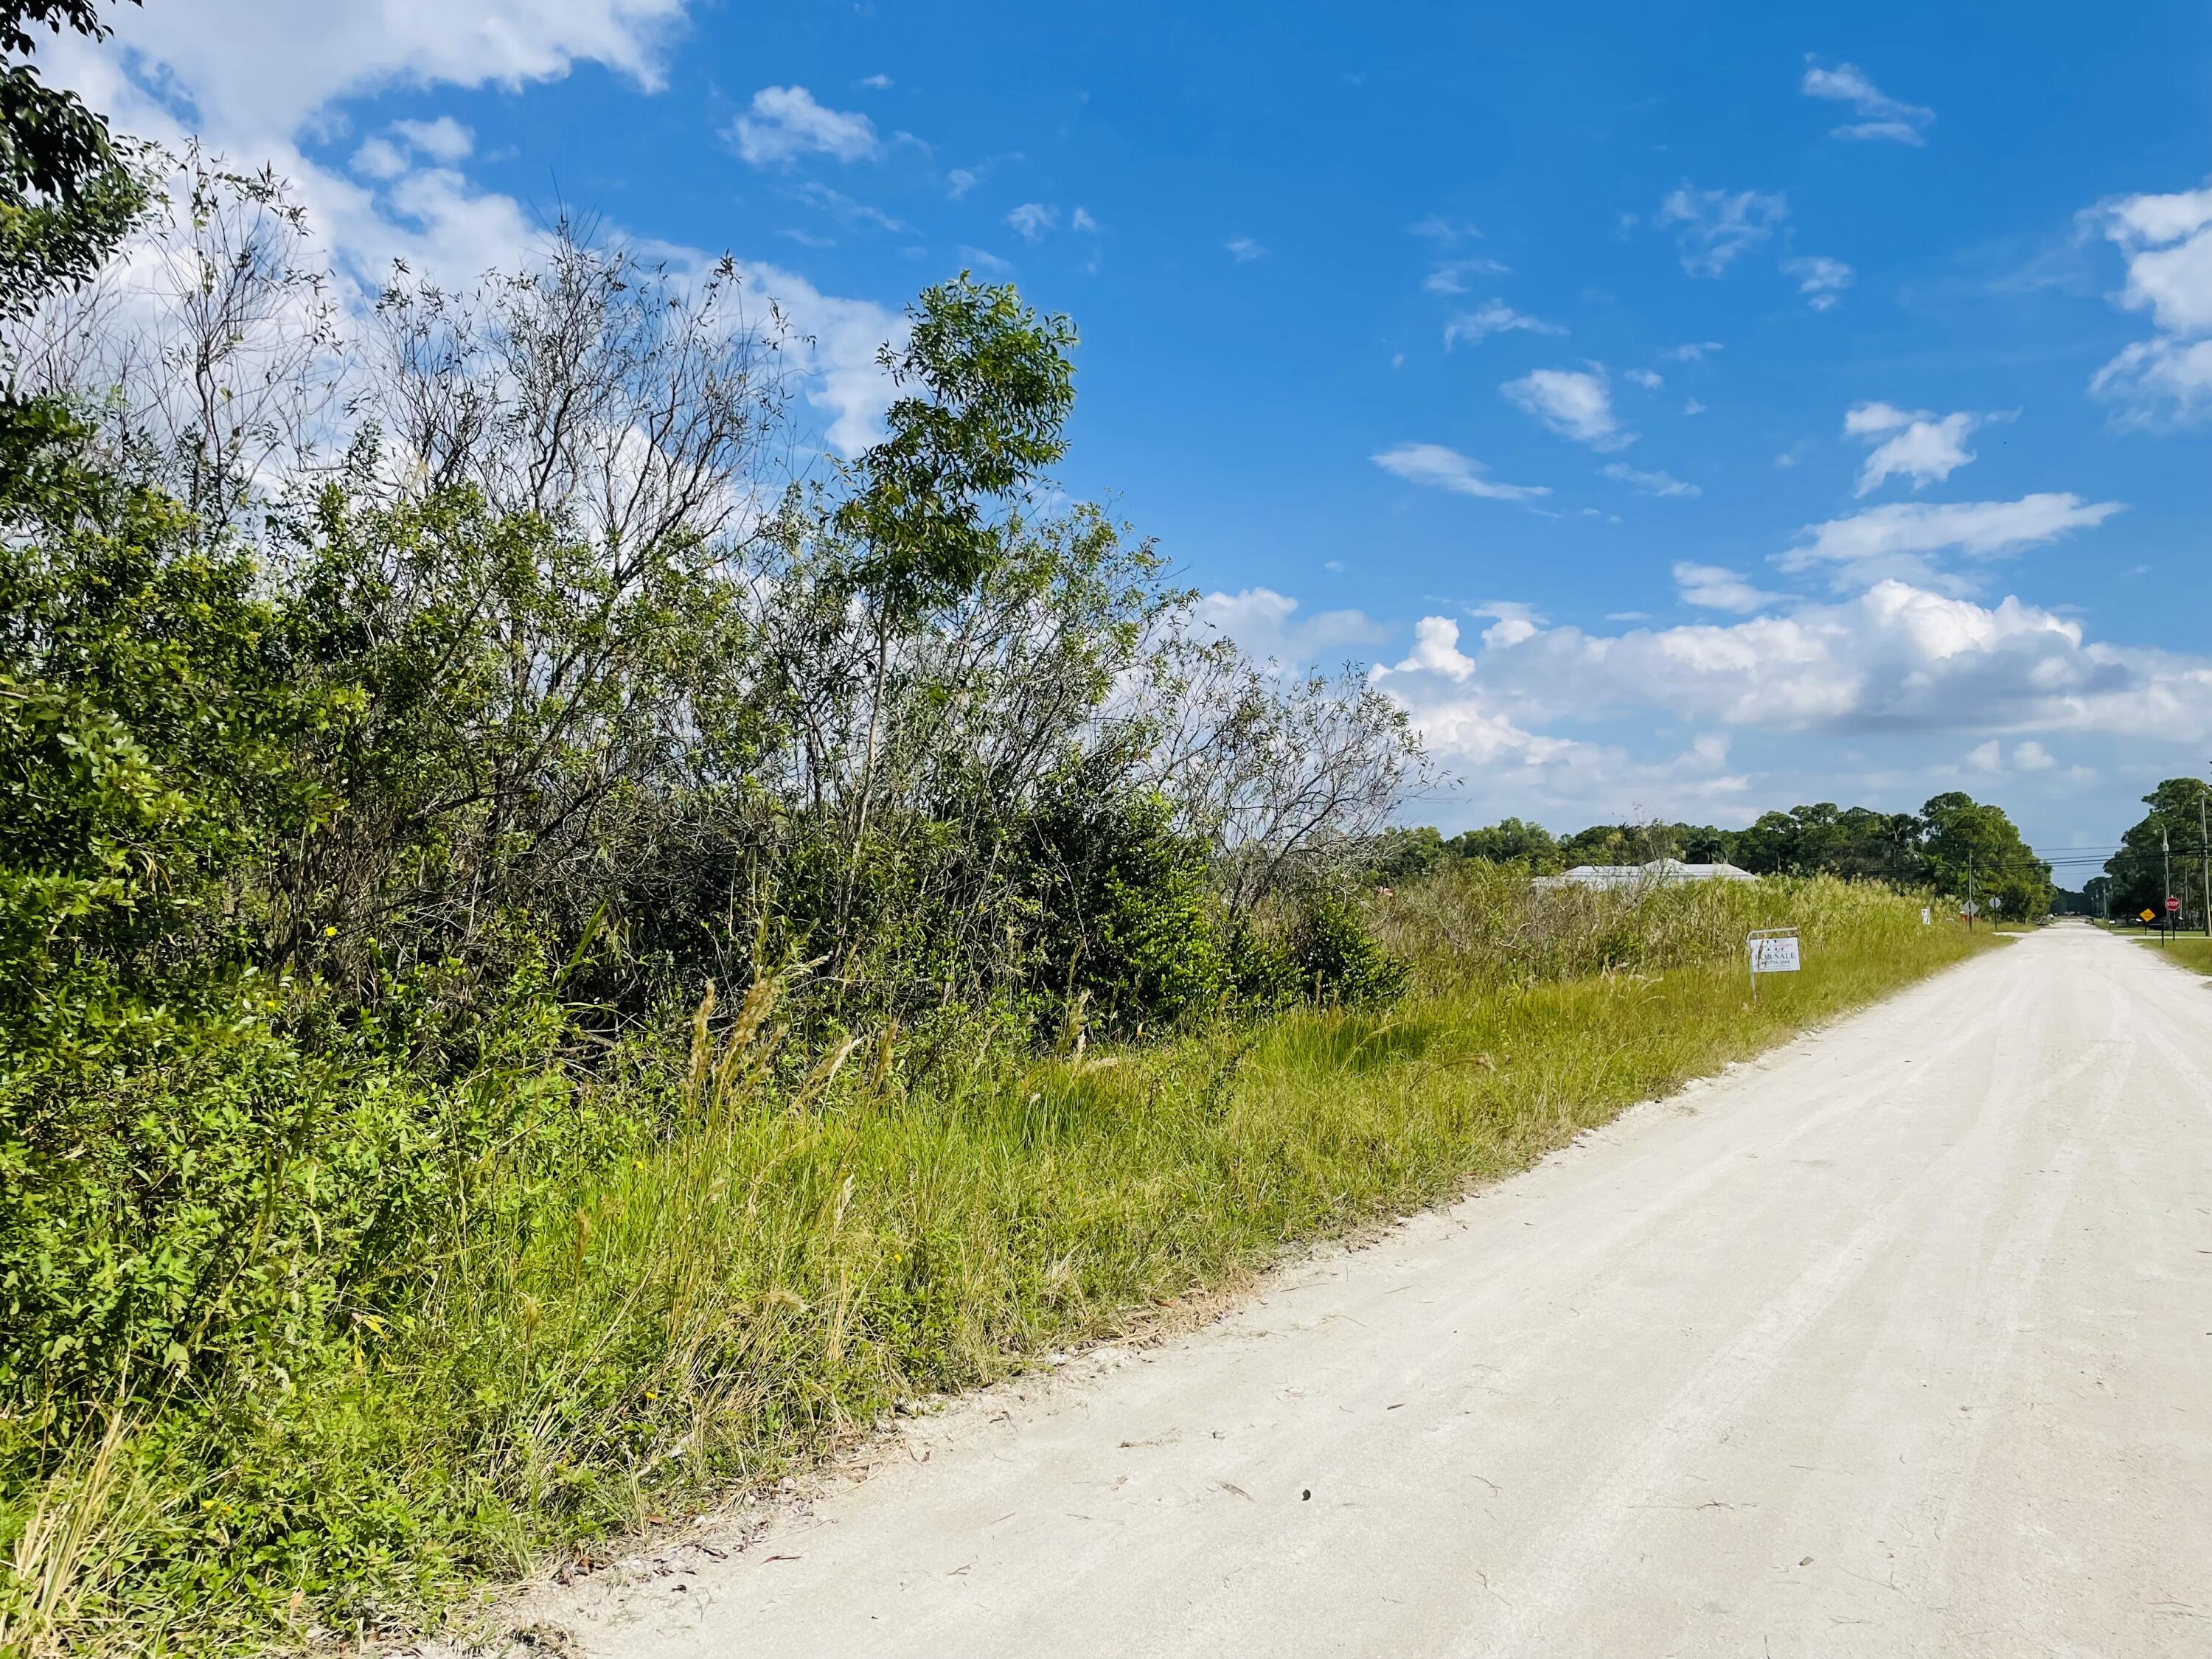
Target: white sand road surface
{"x": 1898, "y": 1341}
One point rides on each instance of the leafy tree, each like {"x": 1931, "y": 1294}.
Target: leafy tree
{"x": 1642, "y": 843}
{"x": 1510, "y": 841}
{"x": 66, "y": 198}
{"x": 1971, "y": 846}
{"x": 2169, "y": 835}
{"x": 1850, "y": 841}
{"x": 1402, "y": 854}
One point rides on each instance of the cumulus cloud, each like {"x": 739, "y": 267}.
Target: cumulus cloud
{"x": 1265, "y": 623}
{"x": 1439, "y": 468}
{"x": 1244, "y": 249}
{"x": 1717, "y": 225}
{"x": 1880, "y": 115}
{"x": 1894, "y": 658}
{"x": 785, "y": 123}
{"x": 263, "y": 69}
{"x": 1573, "y": 402}
{"x": 1494, "y": 317}
{"x": 1819, "y": 279}
{"x": 444, "y": 139}
{"x": 1715, "y": 587}
{"x": 2167, "y": 242}
{"x": 1903, "y": 538}
{"x": 1916, "y": 445}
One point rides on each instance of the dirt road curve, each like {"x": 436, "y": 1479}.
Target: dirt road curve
{"x": 1897, "y": 1342}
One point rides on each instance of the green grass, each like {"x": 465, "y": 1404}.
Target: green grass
{"x": 2191, "y": 951}
{"x": 768, "y": 1282}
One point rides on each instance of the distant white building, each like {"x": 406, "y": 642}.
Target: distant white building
{"x": 1658, "y": 872}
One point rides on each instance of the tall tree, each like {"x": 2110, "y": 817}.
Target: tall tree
{"x": 1972, "y": 847}
{"x": 2170, "y": 835}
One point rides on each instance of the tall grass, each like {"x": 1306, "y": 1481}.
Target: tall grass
{"x": 775, "y": 1276}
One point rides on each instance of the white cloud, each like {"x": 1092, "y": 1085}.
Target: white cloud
{"x": 1032, "y": 219}
{"x": 1081, "y": 220}
{"x": 1819, "y": 279}
{"x": 1866, "y": 419}
{"x": 1266, "y": 624}
{"x": 2167, "y": 242}
{"x": 1714, "y": 588}
{"x": 380, "y": 158}
{"x": 1650, "y": 483}
{"x": 1900, "y": 539}
{"x": 1895, "y": 657}
{"x": 1435, "y": 651}
{"x": 785, "y": 123}
{"x": 445, "y": 142}
{"x": 1243, "y": 248}
{"x": 876, "y": 82}
{"x": 1880, "y": 115}
{"x": 960, "y": 181}
{"x": 2160, "y": 381}
{"x": 1696, "y": 351}
{"x": 1495, "y": 316}
{"x": 1916, "y": 446}
{"x": 1572, "y": 403}
{"x": 261, "y": 69}
{"x": 1693, "y": 407}
{"x": 984, "y": 259}
{"x": 1511, "y": 621}
{"x": 1717, "y": 225}
{"x": 1450, "y": 279}
{"x": 444, "y": 139}
{"x": 1894, "y": 663}
{"x": 1645, "y": 378}
{"x": 1440, "y": 468}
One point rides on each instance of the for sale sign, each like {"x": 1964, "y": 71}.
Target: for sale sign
{"x": 1775, "y": 952}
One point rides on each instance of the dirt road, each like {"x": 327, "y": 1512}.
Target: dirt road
{"x": 1896, "y": 1342}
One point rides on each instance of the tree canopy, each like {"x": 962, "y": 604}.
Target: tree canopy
{"x": 1952, "y": 843}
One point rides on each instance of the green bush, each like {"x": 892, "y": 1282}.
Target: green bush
{"x": 1340, "y": 960}
{"x": 1129, "y": 919}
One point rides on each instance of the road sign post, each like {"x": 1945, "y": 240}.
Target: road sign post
{"x": 1772, "y": 950}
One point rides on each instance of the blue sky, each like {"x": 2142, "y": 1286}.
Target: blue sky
{"x": 1688, "y": 418}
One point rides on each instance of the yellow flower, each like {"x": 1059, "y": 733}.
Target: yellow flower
{"x": 330, "y": 932}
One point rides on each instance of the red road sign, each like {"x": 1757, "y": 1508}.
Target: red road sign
{"x": 2173, "y": 904}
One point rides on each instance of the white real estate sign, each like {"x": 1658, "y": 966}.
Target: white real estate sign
{"x": 1774, "y": 953}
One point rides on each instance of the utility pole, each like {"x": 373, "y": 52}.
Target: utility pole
{"x": 2164, "y": 915}
{"x": 2204, "y": 846}
{"x": 1970, "y": 891}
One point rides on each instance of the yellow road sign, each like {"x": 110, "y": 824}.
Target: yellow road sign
{"x": 2150, "y": 916}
